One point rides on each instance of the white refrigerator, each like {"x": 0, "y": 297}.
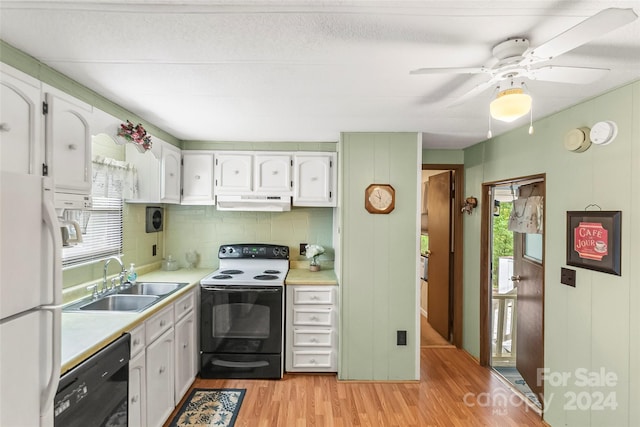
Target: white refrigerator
{"x": 30, "y": 300}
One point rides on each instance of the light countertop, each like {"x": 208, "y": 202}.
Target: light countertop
{"x": 303, "y": 276}
{"x": 84, "y": 333}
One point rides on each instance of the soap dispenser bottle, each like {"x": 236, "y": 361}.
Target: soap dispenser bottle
{"x": 132, "y": 276}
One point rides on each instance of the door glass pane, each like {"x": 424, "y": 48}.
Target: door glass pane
{"x": 533, "y": 246}
{"x": 241, "y": 320}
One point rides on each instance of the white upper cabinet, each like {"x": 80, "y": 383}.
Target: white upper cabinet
{"x": 314, "y": 179}
{"x": 272, "y": 173}
{"x": 197, "y": 178}
{"x": 170, "y": 185}
{"x": 148, "y": 172}
{"x": 68, "y": 141}
{"x": 233, "y": 173}
{"x": 21, "y": 145}
{"x": 158, "y": 172}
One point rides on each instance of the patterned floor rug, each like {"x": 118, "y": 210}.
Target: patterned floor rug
{"x": 210, "y": 408}
{"x": 512, "y": 375}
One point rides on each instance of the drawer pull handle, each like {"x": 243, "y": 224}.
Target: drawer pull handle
{"x": 314, "y": 318}
{"x": 312, "y": 361}
{"x": 162, "y": 369}
{"x": 134, "y": 399}
{"x": 314, "y": 340}
{"x": 314, "y": 297}
{"x": 162, "y": 323}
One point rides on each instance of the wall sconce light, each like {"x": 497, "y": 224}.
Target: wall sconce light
{"x": 470, "y": 203}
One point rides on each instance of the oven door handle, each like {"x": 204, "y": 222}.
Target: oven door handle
{"x": 230, "y": 364}
{"x": 241, "y": 289}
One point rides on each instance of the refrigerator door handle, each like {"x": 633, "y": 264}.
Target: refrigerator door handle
{"x": 49, "y": 392}
{"x": 50, "y": 219}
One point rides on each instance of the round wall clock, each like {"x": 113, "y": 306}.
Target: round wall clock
{"x": 379, "y": 198}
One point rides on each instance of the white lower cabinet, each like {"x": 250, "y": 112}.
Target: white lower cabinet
{"x": 185, "y": 348}
{"x": 312, "y": 329}
{"x": 160, "y": 399}
{"x": 163, "y": 362}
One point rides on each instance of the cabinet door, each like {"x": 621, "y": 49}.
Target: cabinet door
{"x": 148, "y": 172}
{"x": 272, "y": 174}
{"x": 197, "y": 178}
{"x": 233, "y": 173}
{"x": 21, "y": 148}
{"x": 314, "y": 179}
{"x": 137, "y": 391}
{"x": 185, "y": 347}
{"x": 170, "y": 189}
{"x": 68, "y": 142}
{"x": 160, "y": 378}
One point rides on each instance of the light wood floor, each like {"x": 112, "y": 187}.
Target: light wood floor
{"x": 453, "y": 391}
{"x": 429, "y": 337}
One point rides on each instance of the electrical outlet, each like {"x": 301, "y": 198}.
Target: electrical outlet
{"x": 401, "y": 338}
{"x": 303, "y": 248}
{"x": 154, "y": 250}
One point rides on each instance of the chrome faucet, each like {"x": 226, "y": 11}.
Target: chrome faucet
{"x": 104, "y": 275}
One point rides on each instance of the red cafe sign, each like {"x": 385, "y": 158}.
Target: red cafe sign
{"x": 590, "y": 240}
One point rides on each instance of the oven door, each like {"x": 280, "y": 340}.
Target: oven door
{"x": 241, "y": 319}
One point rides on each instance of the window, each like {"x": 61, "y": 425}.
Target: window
{"x": 102, "y": 225}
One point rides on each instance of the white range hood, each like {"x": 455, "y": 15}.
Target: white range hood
{"x": 262, "y": 203}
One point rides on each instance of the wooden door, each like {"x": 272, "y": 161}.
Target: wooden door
{"x": 528, "y": 271}
{"x": 439, "y": 211}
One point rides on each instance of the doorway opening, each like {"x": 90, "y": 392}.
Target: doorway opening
{"x": 441, "y": 256}
{"x": 512, "y": 283}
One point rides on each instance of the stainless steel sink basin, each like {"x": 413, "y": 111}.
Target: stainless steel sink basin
{"x": 120, "y": 303}
{"x": 152, "y": 288}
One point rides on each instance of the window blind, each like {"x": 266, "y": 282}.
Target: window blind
{"x": 102, "y": 224}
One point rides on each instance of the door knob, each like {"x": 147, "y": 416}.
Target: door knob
{"x": 515, "y": 278}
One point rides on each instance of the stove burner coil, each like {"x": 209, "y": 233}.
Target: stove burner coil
{"x": 232, "y": 272}
{"x": 222, "y": 276}
{"x": 265, "y": 277}
{"x": 271, "y": 272}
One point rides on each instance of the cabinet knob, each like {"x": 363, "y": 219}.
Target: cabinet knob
{"x": 171, "y": 175}
{"x": 185, "y": 345}
{"x": 313, "y": 361}
{"x": 314, "y": 297}
{"x": 236, "y": 172}
{"x": 314, "y": 318}
{"x": 274, "y": 173}
{"x": 4, "y": 127}
{"x": 314, "y": 340}
{"x": 197, "y": 176}
{"x": 136, "y": 341}
{"x": 314, "y": 178}
{"x": 72, "y": 147}
{"x": 134, "y": 399}
{"x": 162, "y": 369}
{"x": 162, "y": 323}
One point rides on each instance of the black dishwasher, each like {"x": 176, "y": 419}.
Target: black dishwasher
{"x": 95, "y": 392}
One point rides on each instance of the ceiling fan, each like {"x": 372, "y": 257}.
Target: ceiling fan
{"x": 517, "y": 61}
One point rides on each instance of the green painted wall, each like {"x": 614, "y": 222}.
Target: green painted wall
{"x": 379, "y": 286}
{"x": 596, "y": 324}
{"x": 444, "y": 157}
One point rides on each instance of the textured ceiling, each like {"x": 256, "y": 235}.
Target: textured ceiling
{"x": 308, "y": 70}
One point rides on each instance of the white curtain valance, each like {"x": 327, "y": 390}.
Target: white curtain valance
{"x": 114, "y": 178}
{"x": 526, "y": 215}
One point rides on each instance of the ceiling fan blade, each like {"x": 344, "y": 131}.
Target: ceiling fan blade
{"x": 591, "y": 28}
{"x": 473, "y": 92}
{"x": 575, "y": 75}
{"x": 468, "y": 70}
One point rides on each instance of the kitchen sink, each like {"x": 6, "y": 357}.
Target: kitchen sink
{"x": 120, "y": 303}
{"x": 152, "y": 288}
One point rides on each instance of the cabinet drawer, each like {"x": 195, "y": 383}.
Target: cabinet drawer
{"x": 183, "y": 306}
{"x": 312, "y": 337}
{"x": 158, "y": 323}
{"x": 312, "y": 359}
{"x": 137, "y": 340}
{"x": 313, "y": 316}
{"x": 313, "y": 295}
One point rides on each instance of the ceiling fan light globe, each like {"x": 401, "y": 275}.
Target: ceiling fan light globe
{"x": 510, "y": 105}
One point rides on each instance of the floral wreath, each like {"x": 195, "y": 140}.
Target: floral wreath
{"x": 136, "y": 134}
